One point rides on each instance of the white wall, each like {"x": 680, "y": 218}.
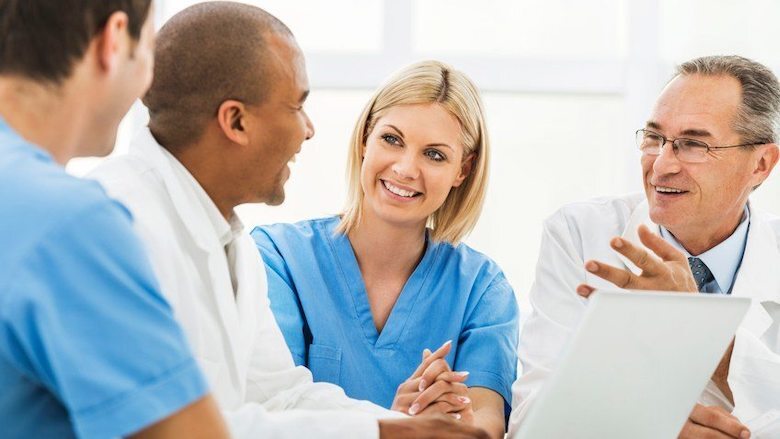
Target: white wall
{"x": 566, "y": 82}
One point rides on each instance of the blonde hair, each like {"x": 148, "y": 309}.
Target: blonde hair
{"x": 423, "y": 83}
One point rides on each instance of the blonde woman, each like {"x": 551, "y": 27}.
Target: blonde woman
{"x": 360, "y": 297}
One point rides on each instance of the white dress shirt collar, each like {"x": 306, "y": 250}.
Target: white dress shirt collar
{"x": 724, "y": 259}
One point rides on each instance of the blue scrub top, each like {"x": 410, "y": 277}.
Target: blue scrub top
{"x": 319, "y": 299}
{"x": 88, "y": 345}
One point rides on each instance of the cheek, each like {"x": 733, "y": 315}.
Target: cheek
{"x": 647, "y": 165}
{"x": 440, "y": 182}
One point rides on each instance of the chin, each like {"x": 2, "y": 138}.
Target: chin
{"x": 665, "y": 217}
{"x": 276, "y": 199}
{"x": 402, "y": 219}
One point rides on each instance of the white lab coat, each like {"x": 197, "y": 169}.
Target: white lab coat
{"x": 582, "y": 231}
{"x": 234, "y": 337}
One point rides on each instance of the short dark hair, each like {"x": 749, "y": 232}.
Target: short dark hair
{"x": 43, "y": 39}
{"x": 204, "y": 55}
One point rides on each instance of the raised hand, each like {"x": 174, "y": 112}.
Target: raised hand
{"x": 665, "y": 270}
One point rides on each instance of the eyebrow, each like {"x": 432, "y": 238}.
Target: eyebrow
{"x": 696, "y": 132}
{"x": 430, "y": 144}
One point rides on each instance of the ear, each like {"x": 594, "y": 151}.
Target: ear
{"x": 767, "y": 160}
{"x": 231, "y": 116}
{"x": 465, "y": 169}
{"x": 110, "y": 41}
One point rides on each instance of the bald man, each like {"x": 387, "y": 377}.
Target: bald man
{"x": 226, "y": 115}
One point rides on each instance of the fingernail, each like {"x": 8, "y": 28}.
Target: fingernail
{"x": 464, "y": 399}
{"x": 414, "y": 408}
{"x": 421, "y": 387}
{"x": 464, "y": 373}
{"x": 591, "y": 266}
{"x": 447, "y": 342}
{"x": 426, "y": 351}
{"x": 617, "y": 243}
{"x": 745, "y": 434}
{"x": 455, "y": 415}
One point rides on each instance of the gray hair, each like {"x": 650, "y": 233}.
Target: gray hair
{"x": 758, "y": 117}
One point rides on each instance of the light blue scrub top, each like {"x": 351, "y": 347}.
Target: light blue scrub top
{"x": 319, "y": 299}
{"x": 88, "y": 345}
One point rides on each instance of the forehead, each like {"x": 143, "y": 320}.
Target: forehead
{"x": 425, "y": 121}
{"x": 697, "y": 102}
{"x": 286, "y": 65}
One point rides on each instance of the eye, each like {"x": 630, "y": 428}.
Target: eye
{"x": 391, "y": 139}
{"x": 691, "y": 144}
{"x": 652, "y": 138}
{"x": 435, "y": 155}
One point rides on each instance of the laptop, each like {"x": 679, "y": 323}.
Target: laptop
{"x": 636, "y": 366}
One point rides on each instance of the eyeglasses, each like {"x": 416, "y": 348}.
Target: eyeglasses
{"x": 686, "y": 150}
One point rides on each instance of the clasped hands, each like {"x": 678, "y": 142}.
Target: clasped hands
{"x": 434, "y": 388}
{"x": 666, "y": 269}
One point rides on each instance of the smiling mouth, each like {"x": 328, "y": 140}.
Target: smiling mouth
{"x": 668, "y": 190}
{"x": 398, "y": 191}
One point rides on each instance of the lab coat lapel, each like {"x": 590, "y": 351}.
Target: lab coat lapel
{"x": 251, "y": 288}
{"x": 759, "y": 274}
{"x": 639, "y": 216}
{"x": 195, "y": 221}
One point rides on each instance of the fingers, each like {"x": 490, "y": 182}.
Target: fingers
{"x": 432, "y": 372}
{"x": 448, "y": 403}
{"x": 408, "y": 386}
{"x": 659, "y": 246}
{"x": 639, "y": 256}
{"x": 618, "y": 276}
{"x": 442, "y": 352}
{"x": 720, "y": 420}
{"x": 585, "y": 290}
{"x": 453, "y": 377}
{"x": 691, "y": 430}
{"x": 433, "y": 393}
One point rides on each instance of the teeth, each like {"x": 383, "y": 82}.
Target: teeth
{"x": 398, "y": 191}
{"x": 668, "y": 190}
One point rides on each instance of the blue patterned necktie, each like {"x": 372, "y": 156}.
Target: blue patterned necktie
{"x": 701, "y": 274}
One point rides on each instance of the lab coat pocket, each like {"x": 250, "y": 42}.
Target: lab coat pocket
{"x": 325, "y": 363}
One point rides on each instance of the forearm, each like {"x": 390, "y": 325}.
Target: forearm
{"x": 491, "y": 422}
{"x": 488, "y": 411}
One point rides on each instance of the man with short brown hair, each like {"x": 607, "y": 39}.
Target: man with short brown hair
{"x": 88, "y": 345}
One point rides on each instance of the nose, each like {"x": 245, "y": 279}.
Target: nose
{"x": 405, "y": 167}
{"x": 666, "y": 162}
{"x": 309, "y": 127}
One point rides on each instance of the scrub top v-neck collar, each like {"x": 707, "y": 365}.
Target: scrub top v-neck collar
{"x": 404, "y": 305}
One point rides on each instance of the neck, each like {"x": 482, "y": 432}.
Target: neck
{"x": 207, "y": 166}
{"x": 387, "y": 248}
{"x": 699, "y": 241}
{"x": 45, "y": 115}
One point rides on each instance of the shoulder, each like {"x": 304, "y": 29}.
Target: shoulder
{"x": 129, "y": 178}
{"x": 47, "y": 202}
{"x": 767, "y": 221}
{"x": 469, "y": 262}
{"x": 305, "y": 232}
{"x": 598, "y": 207}
{"x": 594, "y": 216}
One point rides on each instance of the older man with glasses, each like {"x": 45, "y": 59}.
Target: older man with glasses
{"x": 710, "y": 141}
